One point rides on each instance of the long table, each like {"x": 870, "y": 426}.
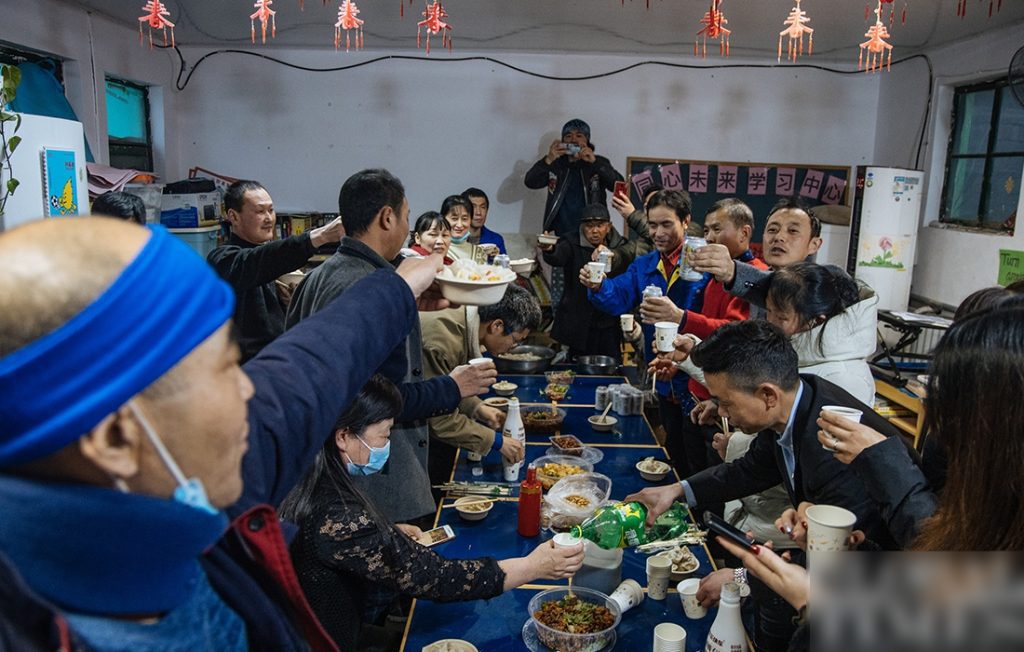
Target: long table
{"x": 496, "y": 625}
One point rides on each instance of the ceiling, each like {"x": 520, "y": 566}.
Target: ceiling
{"x": 617, "y": 26}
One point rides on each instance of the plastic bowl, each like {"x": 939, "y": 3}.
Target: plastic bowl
{"x": 497, "y": 402}
{"x": 545, "y": 426}
{"x": 478, "y": 515}
{"x": 600, "y": 425}
{"x": 560, "y": 377}
{"x": 523, "y": 267}
{"x": 547, "y": 239}
{"x": 541, "y": 360}
{"x": 654, "y": 477}
{"x": 549, "y": 480}
{"x": 450, "y": 645}
{"x": 472, "y": 293}
{"x": 565, "y": 641}
{"x": 505, "y": 390}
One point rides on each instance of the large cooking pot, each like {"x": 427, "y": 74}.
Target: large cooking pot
{"x": 512, "y": 366}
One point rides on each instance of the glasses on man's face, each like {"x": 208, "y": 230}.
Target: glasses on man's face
{"x": 516, "y": 341}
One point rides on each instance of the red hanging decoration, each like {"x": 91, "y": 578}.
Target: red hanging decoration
{"x": 264, "y": 14}
{"x": 401, "y": 8}
{"x": 347, "y": 21}
{"x": 714, "y": 22}
{"x": 876, "y": 47}
{"x": 961, "y": 7}
{"x": 156, "y": 17}
{"x": 434, "y": 16}
{"x": 796, "y": 29}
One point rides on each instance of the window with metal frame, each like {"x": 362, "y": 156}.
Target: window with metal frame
{"x": 985, "y": 158}
{"x": 128, "y": 131}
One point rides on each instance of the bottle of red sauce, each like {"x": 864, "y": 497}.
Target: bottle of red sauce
{"x": 529, "y": 504}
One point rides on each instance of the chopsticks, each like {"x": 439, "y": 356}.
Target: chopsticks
{"x": 725, "y": 425}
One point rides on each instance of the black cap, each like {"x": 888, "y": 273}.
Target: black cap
{"x": 595, "y": 212}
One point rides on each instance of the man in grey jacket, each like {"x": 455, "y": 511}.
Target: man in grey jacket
{"x": 375, "y": 214}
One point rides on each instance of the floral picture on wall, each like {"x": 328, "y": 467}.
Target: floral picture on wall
{"x": 883, "y": 251}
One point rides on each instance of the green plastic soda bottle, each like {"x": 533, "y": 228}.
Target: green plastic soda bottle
{"x": 621, "y": 525}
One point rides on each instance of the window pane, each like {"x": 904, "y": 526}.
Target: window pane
{"x": 1004, "y": 187}
{"x": 974, "y": 117}
{"x": 1010, "y": 129}
{"x": 963, "y": 189}
{"x": 126, "y": 112}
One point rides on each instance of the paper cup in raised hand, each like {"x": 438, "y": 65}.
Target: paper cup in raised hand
{"x": 688, "y": 596}
{"x": 664, "y": 335}
{"x": 626, "y": 322}
{"x": 828, "y": 528}
{"x": 842, "y": 411}
{"x": 596, "y": 272}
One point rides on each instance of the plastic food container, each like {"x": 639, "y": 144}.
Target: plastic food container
{"x": 566, "y": 641}
{"x": 549, "y": 480}
{"x": 547, "y": 425}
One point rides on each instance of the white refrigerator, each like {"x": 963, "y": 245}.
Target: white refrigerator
{"x": 883, "y": 232}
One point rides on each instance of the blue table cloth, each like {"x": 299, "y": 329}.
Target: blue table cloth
{"x": 581, "y": 392}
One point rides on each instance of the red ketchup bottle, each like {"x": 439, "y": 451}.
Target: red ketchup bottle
{"x": 529, "y": 504}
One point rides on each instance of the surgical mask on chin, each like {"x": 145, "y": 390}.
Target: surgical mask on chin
{"x": 190, "y": 491}
{"x": 461, "y": 239}
{"x": 378, "y": 458}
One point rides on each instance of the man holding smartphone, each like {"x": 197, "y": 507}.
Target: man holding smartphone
{"x": 575, "y": 177}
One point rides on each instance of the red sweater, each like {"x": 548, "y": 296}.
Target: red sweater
{"x": 720, "y": 308}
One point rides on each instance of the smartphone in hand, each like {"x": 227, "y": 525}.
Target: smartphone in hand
{"x": 621, "y": 189}
{"x": 436, "y": 536}
{"x": 719, "y": 526}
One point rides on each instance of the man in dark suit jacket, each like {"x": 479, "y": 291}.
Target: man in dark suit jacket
{"x": 751, "y": 371}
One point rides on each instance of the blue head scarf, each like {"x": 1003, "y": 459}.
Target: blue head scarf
{"x": 55, "y": 389}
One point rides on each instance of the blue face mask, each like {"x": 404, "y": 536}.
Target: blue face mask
{"x": 462, "y": 239}
{"x": 378, "y": 458}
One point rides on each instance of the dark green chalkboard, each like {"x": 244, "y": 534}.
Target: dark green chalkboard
{"x": 815, "y": 184}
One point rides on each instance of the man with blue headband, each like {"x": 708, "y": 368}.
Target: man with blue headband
{"x": 136, "y": 476}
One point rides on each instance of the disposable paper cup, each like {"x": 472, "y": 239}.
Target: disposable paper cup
{"x": 664, "y": 334}
{"x": 845, "y": 412}
{"x": 828, "y": 528}
{"x": 626, "y": 322}
{"x": 596, "y": 272}
{"x": 669, "y": 637}
{"x": 480, "y": 361}
{"x": 688, "y": 596}
{"x": 566, "y": 540}
{"x": 628, "y": 595}
{"x": 510, "y": 471}
{"x": 659, "y": 572}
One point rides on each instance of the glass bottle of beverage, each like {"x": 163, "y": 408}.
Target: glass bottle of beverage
{"x": 727, "y": 633}
{"x": 529, "y": 504}
{"x": 652, "y": 291}
{"x": 515, "y": 430}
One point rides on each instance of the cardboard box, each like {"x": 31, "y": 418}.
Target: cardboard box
{"x": 191, "y": 211}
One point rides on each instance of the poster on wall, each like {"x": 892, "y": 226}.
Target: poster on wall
{"x": 60, "y": 187}
{"x": 1011, "y": 266}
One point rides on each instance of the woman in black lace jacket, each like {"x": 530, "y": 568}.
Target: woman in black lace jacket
{"x": 350, "y": 559}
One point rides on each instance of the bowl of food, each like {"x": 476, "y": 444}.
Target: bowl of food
{"x": 567, "y": 445}
{"x": 499, "y": 402}
{"x": 555, "y": 392}
{"x": 470, "y": 284}
{"x": 560, "y": 377}
{"x": 597, "y": 365}
{"x": 504, "y": 388}
{"x": 574, "y": 619}
{"x": 542, "y": 419}
{"x": 602, "y": 423}
{"x": 473, "y": 508}
{"x": 552, "y": 468}
{"x": 450, "y": 645}
{"x": 653, "y": 470}
{"x": 524, "y": 359}
{"x": 523, "y": 266}
{"x": 547, "y": 240}
{"x": 683, "y": 562}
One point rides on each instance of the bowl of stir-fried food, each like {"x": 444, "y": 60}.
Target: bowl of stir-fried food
{"x": 542, "y": 418}
{"x": 574, "y": 619}
{"x": 471, "y": 284}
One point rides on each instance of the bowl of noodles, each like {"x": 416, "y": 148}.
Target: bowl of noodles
{"x": 574, "y": 619}
{"x": 470, "y": 284}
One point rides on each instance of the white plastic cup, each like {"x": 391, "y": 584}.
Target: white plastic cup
{"x": 659, "y": 571}
{"x": 566, "y": 540}
{"x": 828, "y": 528}
{"x": 476, "y": 362}
{"x": 845, "y": 412}
{"x": 595, "y": 271}
{"x": 628, "y": 595}
{"x": 626, "y": 322}
{"x": 664, "y": 334}
{"x": 688, "y": 596}
{"x": 669, "y": 637}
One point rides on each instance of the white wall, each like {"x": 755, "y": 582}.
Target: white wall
{"x": 950, "y": 264}
{"x": 442, "y": 126}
